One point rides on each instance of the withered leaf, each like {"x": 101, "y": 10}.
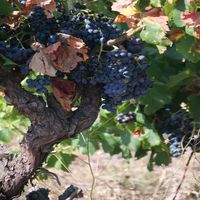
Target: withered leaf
{"x": 64, "y": 92}
{"x": 120, "y": 5}
{"x": 65, "y": 54}
{"x": 48, "y": 5}
{"x": 39, "y": 63}
{"x": 176, "y": 34}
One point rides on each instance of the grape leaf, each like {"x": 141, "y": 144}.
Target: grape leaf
{"x": 177, "y": 18}
{"x": 190, "y": 18}
{"x": 66, "y": 53}
{"x": 64, "y": 92}
{"x": 158, "y": 96}
{"x": 63, "y": 55}
{"x": 179, "y": 78}
{"x": 120, "y": 5}
{"x": 40, "y": 63}
{"x": 186, "y": 47}
{"x": 152, "y": 135}
{"x": 60, "y": 161}
{"x": 176, "y": 34}
{"x": 193, "y": 102}
{"x": 156, "y": 3}
{"x": 5, "y": 8}
{"x": 48, "y": 5}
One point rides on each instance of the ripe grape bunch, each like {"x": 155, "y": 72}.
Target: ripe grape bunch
{"x": 124, "y": 118}
{"x": 178, "y": 128}
{"x": 119, "y": 72}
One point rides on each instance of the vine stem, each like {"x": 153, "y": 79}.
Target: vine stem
{"x": 91, "y": 169}
{"x": 124, "y": 37}
{"x": 184, "y": 174}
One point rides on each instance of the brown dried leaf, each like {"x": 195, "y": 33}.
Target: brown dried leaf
{"x": 120, "y": 5}
{"x": 39, "y": 63}
{"x": 14, "y": 19}
{"x": 176, "y": 34}
{"x": 48, "y": 5}
{"x": 64, "y": 92}
{"x": 120, "y": 19}
{"x": 190, "y": 18}
{"x": 65, "y": 54}
{"x": 156, "y": 15}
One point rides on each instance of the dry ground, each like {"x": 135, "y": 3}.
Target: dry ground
{"x": 117, "y": 179}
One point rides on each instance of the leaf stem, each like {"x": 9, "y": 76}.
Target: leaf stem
{"x": 124, "y": 37}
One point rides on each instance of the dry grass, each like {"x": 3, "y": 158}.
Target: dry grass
{"x": 118, "y": 179}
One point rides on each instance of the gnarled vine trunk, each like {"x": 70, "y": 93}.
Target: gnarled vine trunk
{"x": 50, "y": 124}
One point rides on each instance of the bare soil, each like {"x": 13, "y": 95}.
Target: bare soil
{"x": 119, "y": 179}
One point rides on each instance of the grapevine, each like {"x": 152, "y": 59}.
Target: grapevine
{"x": 130, "y": 83}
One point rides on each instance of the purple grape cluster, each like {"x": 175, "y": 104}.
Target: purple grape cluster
{"x": 42, "y": 28}
{"x": 40, "y": 83}
{"x": 16, "y": 54}
{"x": 93, "y": 28}
{"x": 121, "y": 75}
{"x": 124, "y": 118}
{"x": 133, "y": 45}
{"x": 178, "y": 128}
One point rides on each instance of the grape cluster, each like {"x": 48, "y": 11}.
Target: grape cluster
{"x": 40, "y": 83}
{"x": 133, "y": 45}
{"x": 121, "y": 75}
{"x": 124, "y": 118}
{"x": 40, "y": 194}
{"x": 93, "y": 28}
{"x": 178, "y": 128}
{"x": 16, "y": 54}
{"x": 42, "y": 28}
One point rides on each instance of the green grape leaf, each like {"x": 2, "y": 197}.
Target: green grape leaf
{"x": 5, "y": 8}
{"x": 186, "y": 47}
{"x": 125, "y": 138}
{"x": 109, "y": 143}
{"x": 152, "y": 27}
{"x": 182, "y": 5}
{"x": 153, "y": 137}
{"x": 177, "y": 18}
{"x": 60, "y": 161}
{"x": 190, "y": 31}
{"x": 158, "y": 96}
{"x": 142, "y": 4}
{"x": 162, "y": 155}
{"x": 193, "y": 103}
{"x": 168, "y": 8}
{"x": 156, "y": 3}
{"x": 5, "y": 135}
{"x": 179, "y": 78}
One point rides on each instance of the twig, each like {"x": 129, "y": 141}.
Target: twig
{"x": 184, "y": 174}
{"x": 159, "y": 184}
{"x": 51, "y": 174}
{"x": 124, "y": 37}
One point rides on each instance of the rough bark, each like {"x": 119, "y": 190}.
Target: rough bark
{"x": 50, "y": 124}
